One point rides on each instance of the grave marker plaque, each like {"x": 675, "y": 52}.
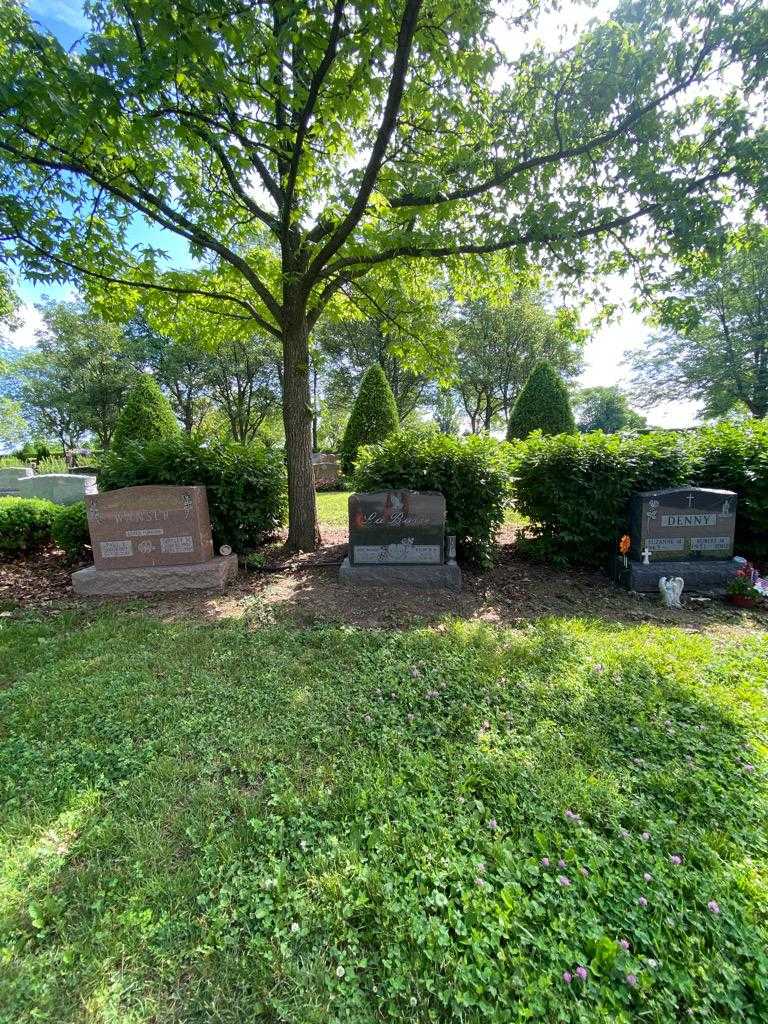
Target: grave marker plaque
{"x": 396, "y": 528}
{"x": 138, "y": 527}
{"x": 683, "y": 524}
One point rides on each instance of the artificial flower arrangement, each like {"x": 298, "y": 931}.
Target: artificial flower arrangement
{"x": 742, "y": 590}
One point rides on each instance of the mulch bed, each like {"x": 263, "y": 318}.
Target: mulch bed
{"x": 305, "y": 589}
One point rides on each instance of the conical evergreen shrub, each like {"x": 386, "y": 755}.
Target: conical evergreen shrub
{"x": 373, "y": 418}
{"x": 146, "y": 415}
{"x": 543, "y": 405}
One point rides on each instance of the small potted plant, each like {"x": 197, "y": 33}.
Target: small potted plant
{"x": 741, "y": 590}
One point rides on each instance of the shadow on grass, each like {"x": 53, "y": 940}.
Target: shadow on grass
{"x": 226, "y": 822}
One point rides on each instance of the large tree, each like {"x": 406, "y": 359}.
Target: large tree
{"x": 307, "y": 145}
{"x": 78, "y": 377}
{"x": 713, "y": 342}
{"x": 499, "y": 344}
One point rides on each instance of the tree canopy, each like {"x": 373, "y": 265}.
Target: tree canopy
{"x": 606, "y": 409}
{"x": 302, "y": 148}
{"x": 713, "y": 343}
{"x": 499, "y": 344}
{"x": 77, "y": 378}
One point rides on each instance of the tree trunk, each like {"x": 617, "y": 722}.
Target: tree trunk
{"x": 314, "y": 408}
{"x": 303, "y": 534}
{"x": 488, "y": 415}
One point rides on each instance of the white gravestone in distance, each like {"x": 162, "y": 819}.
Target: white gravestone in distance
{"x": 9, "y": 480}
{"x": 60, "y": 488}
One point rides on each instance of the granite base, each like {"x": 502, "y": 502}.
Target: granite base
{"x": 427, "y": 577}
{"x": 212, "y": 575}
{"x": 704, "y": 576}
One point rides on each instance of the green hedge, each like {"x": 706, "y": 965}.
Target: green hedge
{"x": 472, "y": 473}
{"x": 246, "y": 484}
{"x": 735, "y": 457}
{"x": 575, "y": 489}
{"x": 70, "y": 529}
{"x": 25, "y": 524}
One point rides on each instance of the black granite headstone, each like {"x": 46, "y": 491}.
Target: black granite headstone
{"x": 683, "y": 524}
{"x": 396, "y": 528}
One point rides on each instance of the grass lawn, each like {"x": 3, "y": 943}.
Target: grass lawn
{"x": 233, "y": 823}
{"x": 332, "y": 510}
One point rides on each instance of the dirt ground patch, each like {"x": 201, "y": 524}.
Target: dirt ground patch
{"x": 305, "y": 589}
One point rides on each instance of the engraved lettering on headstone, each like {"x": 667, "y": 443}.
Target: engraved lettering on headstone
{"x": 116, "y": 548}
{"x": 424, "y": 554}
{"x": 666, "y": 543}
{"x": 710, "y": 543}
{"x": 694, "y": 519}
{"x": 176, "y": 545}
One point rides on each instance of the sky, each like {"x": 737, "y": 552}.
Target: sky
{"x": 607, "y": 346}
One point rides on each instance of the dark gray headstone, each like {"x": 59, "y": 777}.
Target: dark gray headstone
{"x": 683, "y": 523}
{"x": 396, "y": 528}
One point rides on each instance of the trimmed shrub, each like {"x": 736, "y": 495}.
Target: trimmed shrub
{"x": 373, "y": 418}
{"x": 472, "y": 474}
{"x": 70, "y": 529}
{"x": 25, "y": 524}
{"x": 246, "y": 483}
{"x": 146, "y": 415}
{"x": 575, "y": 489}
{"x": 735, "y": 457}
{"x": 543, "y": 405}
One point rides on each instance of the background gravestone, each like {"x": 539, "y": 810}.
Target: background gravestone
{"x": 683, "y": 523}
{"x": 60, "y": 488}
{"x": 9, "y": 480}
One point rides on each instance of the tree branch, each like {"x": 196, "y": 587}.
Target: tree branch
{"x": 383, "y": 135}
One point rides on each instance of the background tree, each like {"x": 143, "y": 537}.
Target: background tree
{"x": 713, "y": 344}
{"x": 181, "y": 364}
{"x": 351, "y": 346}
{"x": 543, "y": 404}
{"x": 306, "y": 146}
{"x": 446, "y": 412}
{"x": 499, "y": 344}
{"x": 46, "y": 399}
{"x": 373, "y": 417}
{"x": 605, "y": 409}
{"x": 146, "y": 415}
{"x": 76, "y": 380}
{"x": 13, "y": 426}
{"x": 244, "y": 379}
